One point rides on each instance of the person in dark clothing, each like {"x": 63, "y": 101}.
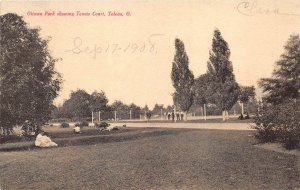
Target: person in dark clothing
{"x": 241, "y": 117}
{"x": 169, "y": 116}
{"x": 173, "y": 116}
{"x": 247, "y": 116}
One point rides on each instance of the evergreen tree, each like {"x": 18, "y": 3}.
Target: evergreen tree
{"x": 285, "y": 83}
{"x": 182, "y": 78}
{"x": 223, "y": 87}
{"x": 28, "y": 80}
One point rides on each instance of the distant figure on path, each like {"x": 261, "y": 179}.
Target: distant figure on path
{"x": 241, "y": 117}
{"x": 181, "y": 114}
{"x": 43, "y": 141}
{"x": 169, "y": 116}
{"x": 247, "y": 116}
{"x": 173, "y": 116}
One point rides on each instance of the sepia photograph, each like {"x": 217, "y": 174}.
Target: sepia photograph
{"x": 149, "y": 94}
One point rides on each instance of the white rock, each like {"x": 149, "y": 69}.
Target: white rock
{"x": 44, "y": 141}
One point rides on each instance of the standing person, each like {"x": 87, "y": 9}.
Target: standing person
{"x": 177, "y": 116}
{"x": 169, "y": 116}
{"x": 173, "y": 116}
{"x": 247, "y": 116}
{"x": 181, "y": 114}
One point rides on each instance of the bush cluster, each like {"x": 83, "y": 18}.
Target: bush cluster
{"x": 280, "y": 122}
{"x": 102, "y": 125}
{"x": 82, "y": 124}
{"x": 64, "y": 125}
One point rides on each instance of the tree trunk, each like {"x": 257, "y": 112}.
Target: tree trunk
{"x": 223, "y": 115}
{"x": 242, "y": 104}
{"x": 204, "y": 110}
{"x": 92, "y": 117}
{"x": 175, "y": 115}
{"x": 227, "y": 115}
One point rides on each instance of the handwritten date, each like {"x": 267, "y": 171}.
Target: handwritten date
{"x": 149, "y": 46}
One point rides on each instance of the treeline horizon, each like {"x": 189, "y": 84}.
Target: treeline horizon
{"x": 80, "y": 104}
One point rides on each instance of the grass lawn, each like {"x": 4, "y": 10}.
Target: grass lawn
{"x": 150, "y": 158}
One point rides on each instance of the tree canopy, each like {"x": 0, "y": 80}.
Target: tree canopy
{"x": 202, "y": 90}
{"x": 80, "y": 104}
{"x": 28, "y": 80}
{"x": 246, "y": 93}
{"x": 285, "y": 81}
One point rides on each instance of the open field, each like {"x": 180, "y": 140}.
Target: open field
{"x": 150, "y": 158}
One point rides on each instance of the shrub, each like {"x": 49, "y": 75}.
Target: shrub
{"x": 82, "y": 124}
{"x": 102, "y": 125}
{"x": 9, "y": 138}
{"x": 279, "y": 122}
{"x": 64, "y": 125}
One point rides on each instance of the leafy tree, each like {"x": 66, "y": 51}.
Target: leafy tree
{"x": 28, "y": 80}
{"x": 78, "y": 105}
{"x": 57, "y": 112}
{"x": 285, "y": 83}
{"x": 224, "y": 89}
{"x": 202, "y": 92}
{"x": 279, "y": 122}
{"x": 157, "y": 109}
{"x": 182, "y": 78}
{"x": 278, "y": 116}
{"x": 145, "y": 110}
{"x": 202, "y": 89}
{"x": 98, "y": 101}
{"x": 169, "y": 108}
{"x": 135, "y": 111}
{"x": 121, "y": 108}
{"x": 246, "y": 93}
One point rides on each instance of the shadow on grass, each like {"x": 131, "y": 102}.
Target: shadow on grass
{"x": 81, "y": 140}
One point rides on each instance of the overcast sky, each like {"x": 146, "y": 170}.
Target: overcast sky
{"x": 134, "y": 52}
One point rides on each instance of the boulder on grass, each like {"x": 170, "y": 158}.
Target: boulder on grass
{"x": 44, "y": 141}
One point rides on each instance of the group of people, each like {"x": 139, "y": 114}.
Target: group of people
{"x": 174, "y": 116}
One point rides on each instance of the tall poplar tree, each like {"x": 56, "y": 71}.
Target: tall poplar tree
{"x": 224, "y": 88}
{"x": 182, "y": 78}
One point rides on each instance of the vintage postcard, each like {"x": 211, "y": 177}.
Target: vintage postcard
{"x": 148, "y": 94}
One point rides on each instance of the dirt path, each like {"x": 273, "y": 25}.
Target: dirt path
{"x": 219, "y": 126}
